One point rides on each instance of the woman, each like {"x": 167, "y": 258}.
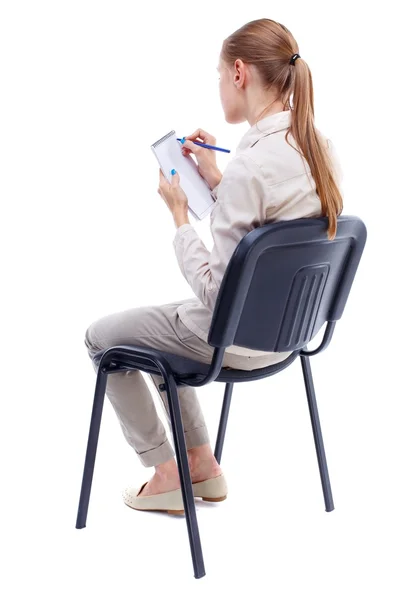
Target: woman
{"x": 267, "y": 180}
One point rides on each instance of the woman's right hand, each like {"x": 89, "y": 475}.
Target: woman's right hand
{"x": 207, "y": 165}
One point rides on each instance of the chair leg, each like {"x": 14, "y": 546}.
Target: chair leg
{"x": 223, "y": 421}
{"x": 317, "y": 433}
{"x": 185, "y": 477}
{"x": 93, "y": 436}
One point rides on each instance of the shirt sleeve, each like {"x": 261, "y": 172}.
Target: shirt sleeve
{"x": 214, "y": 192}
{"x": 238, "y": 210}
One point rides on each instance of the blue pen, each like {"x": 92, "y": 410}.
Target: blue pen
{"x": 182, "y": 140}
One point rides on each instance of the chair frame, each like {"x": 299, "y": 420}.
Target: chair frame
{"x": 125, "y": 358}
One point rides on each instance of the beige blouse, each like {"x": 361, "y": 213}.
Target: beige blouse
{"x": 265, "y": 181}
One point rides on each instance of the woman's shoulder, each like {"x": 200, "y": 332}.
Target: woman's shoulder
{"x": 242, "y": 173}
{"x": 243, "y": 164}
{"x": 276, "y": 156}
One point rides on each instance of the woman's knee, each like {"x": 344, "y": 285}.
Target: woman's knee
{"x": 91, "y": 339}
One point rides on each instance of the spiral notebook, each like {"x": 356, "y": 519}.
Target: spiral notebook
{"x": 168, "y": 153}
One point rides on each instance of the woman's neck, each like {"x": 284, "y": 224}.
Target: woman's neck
{"x": 258, "y": 109}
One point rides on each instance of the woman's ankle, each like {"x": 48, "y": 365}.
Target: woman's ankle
{"x": 167, "y": 470}
{"x": 202, "y": 462}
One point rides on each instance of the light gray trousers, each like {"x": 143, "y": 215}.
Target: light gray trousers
{"x": 157, "y": 327}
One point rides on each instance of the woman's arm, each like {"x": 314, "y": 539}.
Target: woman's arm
{"x": 238, "y": 210}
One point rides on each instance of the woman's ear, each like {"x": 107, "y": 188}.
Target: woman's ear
{"x": 239, "y": 73}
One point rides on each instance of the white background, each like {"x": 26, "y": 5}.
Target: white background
{"x": 86, "y": 87}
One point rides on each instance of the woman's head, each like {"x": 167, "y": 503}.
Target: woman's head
{"x": 257, "y": 78}
{"x": 242, "y": 91}
{"x": 255, "y": 70}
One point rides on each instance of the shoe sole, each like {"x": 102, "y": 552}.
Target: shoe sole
{"x": 220, "y": 499}
{"x": 169, "y": 510}
{"x": 179, "y": 512}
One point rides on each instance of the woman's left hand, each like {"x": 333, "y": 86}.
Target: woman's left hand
{"x": 174, "y": 197}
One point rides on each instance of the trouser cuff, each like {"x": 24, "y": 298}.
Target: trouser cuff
{"x": 164, "y": 452}
{"x": 156, "y": 456}
{"x": 197, "y": 437}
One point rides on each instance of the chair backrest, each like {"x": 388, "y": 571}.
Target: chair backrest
{"x": 284, "y": 281}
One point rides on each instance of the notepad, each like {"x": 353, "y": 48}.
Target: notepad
{"x": 168, "y": 153}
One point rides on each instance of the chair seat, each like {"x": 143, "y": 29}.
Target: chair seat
{"x": 185, "y": 368}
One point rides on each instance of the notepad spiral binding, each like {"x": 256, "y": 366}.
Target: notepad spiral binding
{"x": 163, "y": 139}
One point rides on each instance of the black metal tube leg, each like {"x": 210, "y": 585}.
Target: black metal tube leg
{"x": 317, "y": 433}
{"x": 223, "y": 421}
{"x": 93, "y": 436}
{"x": 185, "y": 477}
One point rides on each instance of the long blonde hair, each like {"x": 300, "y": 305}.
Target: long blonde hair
{"x": 269, "y": 46}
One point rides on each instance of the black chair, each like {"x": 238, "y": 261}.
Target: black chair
{"x": 284, "y": 281}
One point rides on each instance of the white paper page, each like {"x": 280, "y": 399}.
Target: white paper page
{"x": 169, "y": 155}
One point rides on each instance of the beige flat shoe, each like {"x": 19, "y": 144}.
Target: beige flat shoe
{"x": 171, "y": 502}
{"x": 211, "y": 490}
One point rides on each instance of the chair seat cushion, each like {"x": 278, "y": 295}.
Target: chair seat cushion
{"x": 184, "y": 368}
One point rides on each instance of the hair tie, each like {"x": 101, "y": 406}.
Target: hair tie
{"x": 293, "y": 59}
